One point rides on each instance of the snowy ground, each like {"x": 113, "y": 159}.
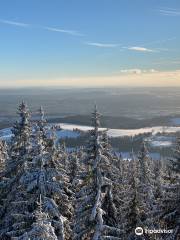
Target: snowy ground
{"x": 70, "y": 131}
{"x": 128, "y": 155}
{"x": 123, "y": 132}
{"x": 161, "y": 141}
{"x": 6, "y": 133}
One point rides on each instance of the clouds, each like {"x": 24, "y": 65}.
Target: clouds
{"x": 13, "y": 23}
{"x": 102, "y": 45}
{"x": 137, "y": 71}
{"x": 143, "y": 48}
{"x": 140, "y": 49}
{"x": 172, "y": 12}
{"x": 113, "y": 45}
{"x": 70, "y": 32}
{"x": 97, "y": 44}
{"x": 68, "y": 40}
{"x": 75, "y": 33}
{"x": 51, "y": 29}
{"x": 133, "y": 70}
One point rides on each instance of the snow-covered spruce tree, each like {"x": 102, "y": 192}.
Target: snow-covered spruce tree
{"x": 115, "y": 171}
{"x": 3, "y": 157}
{"x": 92, "y": 222}
{"x": 19, "y": 154}
{"x": 145, "y": 192}
{"x": 74, "y": 168}
{"x": 158, "y": 188}
{"x": 157, "y": 169}
{"x": 21, "y": 141}
{"x": 105, "y": 144}
{"x": 53, "y": 186}
{"x": 20, "y": 148}
{"x": 141, "y": 197}
{"x": 145, "y": 187}
{"x": 3, "y": 183}
{"x": 114, "y": 174}
{"x": 138, "y": 202}
{"x": 63, "y": 155}
{"x": 170, "y": 217}
{"x": 43, "y": 127}
{"x": 41, "y": 228}
{"x": 44, "y": 176}
{"x": 130, "y": 204}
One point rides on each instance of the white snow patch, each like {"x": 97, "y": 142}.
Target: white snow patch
{"x": 161, "y": 143}
{"x": 71, "y": 127}
{"x": 123, "y": 132}
{"x": 69, "y": 130}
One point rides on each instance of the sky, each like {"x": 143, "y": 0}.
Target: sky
{"x": 89, "y": 43}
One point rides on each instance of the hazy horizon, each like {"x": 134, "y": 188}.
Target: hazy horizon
{"x": 122, "y": 101}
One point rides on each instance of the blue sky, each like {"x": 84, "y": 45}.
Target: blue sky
{"x": 43, "y": 39}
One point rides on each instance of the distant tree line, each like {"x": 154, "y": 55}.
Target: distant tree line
{"x": 121, "y": 144}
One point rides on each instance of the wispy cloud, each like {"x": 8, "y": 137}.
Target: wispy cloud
{"x": 133, "y": 70}
{"x": 137, "y": 71}
{"x": 70, "y": 32}
{"x": 169, "y": 12}
{"x": 51, "y": 29}
{"x": 102, "y": 45}
{"x": 143, "y": 46}
{"x": 140, "y": 49}
{"x": 18, "y": 24}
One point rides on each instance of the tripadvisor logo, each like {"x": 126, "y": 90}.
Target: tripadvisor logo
{"x": 140, "y": 231}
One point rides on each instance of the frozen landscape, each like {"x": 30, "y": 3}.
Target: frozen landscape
{"x": 89, "y": 120}
{"x": 41, "y": 178}
{"x": 73, "y": 131}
